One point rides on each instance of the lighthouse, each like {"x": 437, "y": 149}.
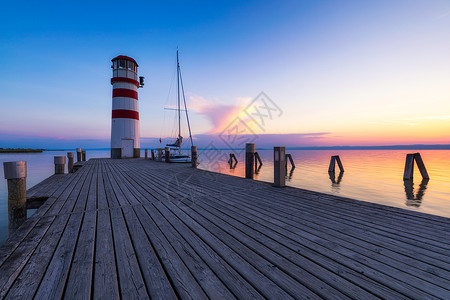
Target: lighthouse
{"x": 125, "y": 139}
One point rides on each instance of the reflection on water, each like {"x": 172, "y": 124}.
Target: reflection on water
{"x": 370, "y": 175}
{"x": 414, "y": 199}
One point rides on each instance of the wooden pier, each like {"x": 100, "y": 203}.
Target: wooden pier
{"x": 137, "y": 229}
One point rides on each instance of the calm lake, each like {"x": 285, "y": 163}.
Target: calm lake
{"x": 370, "y": 175}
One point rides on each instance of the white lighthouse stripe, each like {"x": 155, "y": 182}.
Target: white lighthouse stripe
{"x": 125, "y": 103}
{"x": 124, "y": 85}
{"x": 124, "y": 128}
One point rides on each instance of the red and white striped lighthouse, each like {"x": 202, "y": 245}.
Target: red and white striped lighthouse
{"x": 125, "y": 139}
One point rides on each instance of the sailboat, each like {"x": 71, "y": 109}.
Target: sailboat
{"x": 176, "y": 155}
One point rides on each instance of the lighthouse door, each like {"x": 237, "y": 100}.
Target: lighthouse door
{"x": 127, "y": 148}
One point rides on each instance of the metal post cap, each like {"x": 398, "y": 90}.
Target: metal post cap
{"x": 70, "y": 154}
{"x": 78, "y": 149}
{"x": 59, "y": 160}
{"x": 15, "y": 169}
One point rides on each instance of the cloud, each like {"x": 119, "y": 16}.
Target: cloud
{"x": 219, "y": 114}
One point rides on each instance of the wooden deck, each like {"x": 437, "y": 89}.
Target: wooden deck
{"x": 140, "y": 229}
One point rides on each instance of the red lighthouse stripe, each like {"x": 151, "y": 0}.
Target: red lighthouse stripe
{"x": 125, "y": 114}
{"x": 125, "y": 93}
{"x": 123, "y": 79}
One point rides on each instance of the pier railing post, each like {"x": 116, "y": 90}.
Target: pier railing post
{"x": 249, "y": 160}
{"x": 279, "y": 165}
{"x": 78, "y": 154}
{"x": 152, "y": 152}
{"x": 194, "y": 156}
{"x": 160, "y": 154}
{"x": 70, "y": 163}
{"x": 167, "y": 154}
{"x": 83, "y": 155}
{"x": 60, "y": 163}
{"x": 146, "y": 154}
{"x": 16, "y": 175}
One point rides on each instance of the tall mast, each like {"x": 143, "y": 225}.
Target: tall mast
{"x": 178, "y": 96}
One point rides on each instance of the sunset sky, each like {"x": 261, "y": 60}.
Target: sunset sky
{"x": 341, "y": 72}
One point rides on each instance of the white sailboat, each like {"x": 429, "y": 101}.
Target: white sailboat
{"x": 176, "y": 154}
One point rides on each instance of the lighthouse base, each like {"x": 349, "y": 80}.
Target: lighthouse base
{"x": 117, "y": 153}
{"x": 136, "y": 152}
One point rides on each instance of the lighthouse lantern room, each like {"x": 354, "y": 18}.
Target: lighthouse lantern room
{"x": 125, "y": 139}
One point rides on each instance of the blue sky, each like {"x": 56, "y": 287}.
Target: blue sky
{"x": 359, "y": 72}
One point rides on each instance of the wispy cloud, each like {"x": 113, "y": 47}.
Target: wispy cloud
{"x": 219, "y": 114}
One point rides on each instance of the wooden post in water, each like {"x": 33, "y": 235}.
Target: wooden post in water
{"x": 146, "y": 154}
{"x": 409, "y": 166}
{"x": 16, "y": 175}
{"x": 257, "y": 160}
{"x": 167, "y": 154}
{"x": 194, "y": 156}
{"x": 279, "y": 165}
{"x": 249, "y": 160}
{"x": 70, "y": 163}
{"x": 335, "y": 159}
{"x": 60, "y": 163}
{"x": 78, "y": 154}
{"x": 152, "y": 153}
{"x": 83, "y": 155}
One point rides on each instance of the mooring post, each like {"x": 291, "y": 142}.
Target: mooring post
{"x": 152, "y": 153}
{"x": 249, "y": 160}
{"x": 167, "y": 154}
{"x": 279, "y": 165}
{"x": 160, "y": 154}
{"x": 70, "y": 163}
{"x": 83, "y": 155}
{"x": 60, "y": 163}
{"x": 16, "y": 176}
{"x": 146, "y": 154}
{"x": 335, "y": 159}
{"x": 194, "y": 156}
{"x": 78, "y": 154}
{"x": 409, "y": 166}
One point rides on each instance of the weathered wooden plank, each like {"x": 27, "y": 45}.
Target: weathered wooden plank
{"x": 79, "y": 281}
{"x": 26, "y": 284}
{"x": 156, "y": 279}
{"x": 131, "y": 283}
{"x": 106, "y": 284}
{"x": 18, "y": 256}
{"x": 185, "y": 285}
{"x": 52, "y": 285}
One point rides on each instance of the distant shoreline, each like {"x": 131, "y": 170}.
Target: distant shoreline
{"x": 20, "y": 150}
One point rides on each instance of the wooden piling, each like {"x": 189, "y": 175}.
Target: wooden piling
{"x": 249, "y": 160}
{"x": 409, "y": 166}
{"x": 60, "y": 163}
{"x": 146, "y": 154}
{"x": 421, "y": 166}
{"x": 279, "y": 165}
{"x": 83, "y": 155}
{"x": 70, "y": 162}
{"x": 335, "y": 159}
{"x": 152, "y": 154}
{"x": 167, "y": 154}
{"x": 194, "y": 156}
{"x": 16, "y": 176}
{"x": 258, "y": 163}
{"x": 78, "y": 154}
